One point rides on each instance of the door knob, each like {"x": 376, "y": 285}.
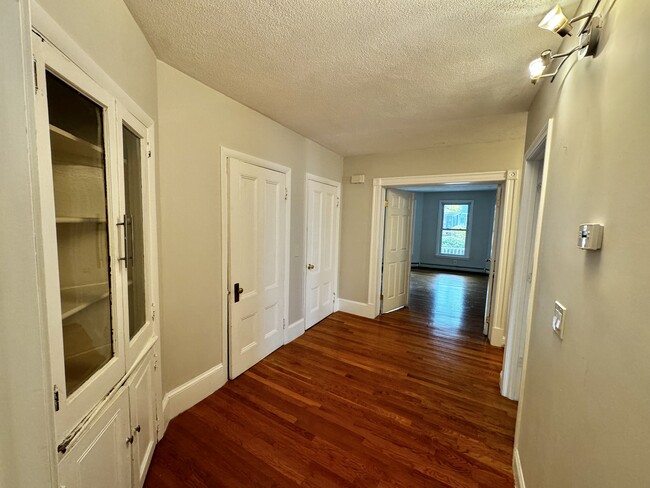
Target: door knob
{"x": 310, "y": 266}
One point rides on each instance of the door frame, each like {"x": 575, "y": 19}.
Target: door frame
{"x": 505, "y": 255}
{"x": 289, "y": 334}
{"x": 227, "y": 153}
{"x": 527, "y": 248}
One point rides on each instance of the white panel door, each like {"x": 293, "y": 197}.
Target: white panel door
{"x": 397, "y": 249}
{"x": 322, "y": 249}
{"x": 257, "y": 263}
{"x": 143, "y": 422}
{"x": 489, "y": 301}
{"x": 101, "y": 458}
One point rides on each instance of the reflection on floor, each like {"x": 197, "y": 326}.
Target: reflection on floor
{"x": 453, "y": 303}
{"x": 407, "y": 400}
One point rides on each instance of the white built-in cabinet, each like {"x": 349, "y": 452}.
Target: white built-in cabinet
{"x": 97, "y": 209}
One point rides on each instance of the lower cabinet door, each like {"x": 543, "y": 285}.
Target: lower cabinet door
{"x": 101, "y": 458}
{"x": 143, "y": 418}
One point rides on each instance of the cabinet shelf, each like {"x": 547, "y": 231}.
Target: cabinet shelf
{"x": 80, "y": 220}
{"x": 74, "y": 299}
{"x": 68, "y": 148}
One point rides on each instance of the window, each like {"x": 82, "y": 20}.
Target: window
{"x": 454, "y": 228}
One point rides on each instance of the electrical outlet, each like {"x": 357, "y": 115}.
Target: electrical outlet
{"x": 559, "y": 316}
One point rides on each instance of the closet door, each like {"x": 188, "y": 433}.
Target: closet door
{"x": 135, "y": 224}
{"x": 79, "y": 201}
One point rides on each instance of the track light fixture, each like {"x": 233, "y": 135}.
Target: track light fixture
{"x": 556, "y": 21}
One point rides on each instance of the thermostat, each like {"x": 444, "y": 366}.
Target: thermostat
{"x": 590, "y": 237}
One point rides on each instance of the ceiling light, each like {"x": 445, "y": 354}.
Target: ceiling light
{"x": 556, "y": 21}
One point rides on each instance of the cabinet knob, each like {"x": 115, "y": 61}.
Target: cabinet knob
{"x": 129, "y": 440}
{"x": 137, "y": 428}
{"x": 310, "y": 266}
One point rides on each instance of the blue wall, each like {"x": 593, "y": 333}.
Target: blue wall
{"x": 425, "y": 226}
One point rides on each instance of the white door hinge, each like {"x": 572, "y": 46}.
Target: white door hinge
{"x": 284, "y": 323}
{"x": 286, "y": 193}
{"x": 338, "y": 201}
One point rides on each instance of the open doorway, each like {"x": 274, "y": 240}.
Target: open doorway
{"x": 450, "y": 233}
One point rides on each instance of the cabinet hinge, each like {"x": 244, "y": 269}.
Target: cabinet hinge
{"x": 35, "y": 77}
{"x": 385, "y": 203}
{"x": 56, "y": 399}
{"x": 286, "y": 193}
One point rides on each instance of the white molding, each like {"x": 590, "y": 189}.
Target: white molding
{"x": 504, "y": 258}
{"x": 192, "y": 392}
{"x": 517, "y": 471}
{"x": 549, "y": 135}
{"x": 356, "y": 308}
{"x": 293, "y": 331}
{"x": 322, "y": 179}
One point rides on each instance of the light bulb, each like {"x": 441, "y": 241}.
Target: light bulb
{"x": 556, "y": 21}
{"x": 536, "y": 69}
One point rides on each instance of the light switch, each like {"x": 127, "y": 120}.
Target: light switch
{"x": 559, "y": 316}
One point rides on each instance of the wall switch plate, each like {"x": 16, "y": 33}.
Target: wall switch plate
{"x": 559, "y": 316}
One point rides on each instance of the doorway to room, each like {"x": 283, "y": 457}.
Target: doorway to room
{"x": 438, "y": 252}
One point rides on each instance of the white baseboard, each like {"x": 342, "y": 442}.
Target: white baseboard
{"x": 189, "y": 394}
{"x": 294, "y": 331}
{"x": 517, "y": 471}
{"x": 357, "y": 308}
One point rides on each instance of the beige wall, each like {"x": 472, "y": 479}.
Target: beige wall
{"x": 27, "y": 448}
{"x": 194, "y": 121}
{"x": 585, "y": 413}
{"x": 356, "y": 206}
{"x": 107, "y": 32}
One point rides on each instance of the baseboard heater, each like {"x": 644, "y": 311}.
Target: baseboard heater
{"x": 449, "y": 268}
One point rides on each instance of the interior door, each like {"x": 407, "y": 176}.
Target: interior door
{"x": 258, "y": 220}
{"x": 322, "y": 250}
{"x": 397, "y": 249}
{"x": 492, "y": 268}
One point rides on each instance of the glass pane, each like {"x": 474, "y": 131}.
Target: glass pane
{"x": 79, "y": 171}
{"x": 453, "y": 242}
{"x": 134, "y": 232}
{"x": 455, "y": 216}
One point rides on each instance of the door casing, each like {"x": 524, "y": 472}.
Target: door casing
{"x": 505, "y": 253}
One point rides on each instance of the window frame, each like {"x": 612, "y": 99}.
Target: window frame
{"x": 468, "y": 231}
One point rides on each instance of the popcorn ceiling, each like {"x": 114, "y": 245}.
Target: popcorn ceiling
{"x": 362, "y": 76}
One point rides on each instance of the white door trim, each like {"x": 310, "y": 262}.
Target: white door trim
{"x": 527, "y": 240}
{"x": 225, "y": 238}
{"x": 504, "y": 256}
{"x": 289, "y": 336}
{"x": 547, "y": 133}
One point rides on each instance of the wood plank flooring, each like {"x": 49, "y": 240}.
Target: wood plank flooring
{"x": 409, "y": 400}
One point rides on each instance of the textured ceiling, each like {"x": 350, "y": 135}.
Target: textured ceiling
{"x": 361, "y": 76}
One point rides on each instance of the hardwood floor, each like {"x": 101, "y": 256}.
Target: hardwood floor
{"x": 409, "y": 400}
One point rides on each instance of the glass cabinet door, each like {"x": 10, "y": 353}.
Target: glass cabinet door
{"x": 134, "y": 230}
{"x": 77, "y": 142}
{"x": 136, "y": 210}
